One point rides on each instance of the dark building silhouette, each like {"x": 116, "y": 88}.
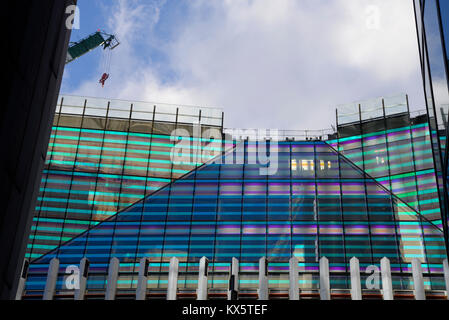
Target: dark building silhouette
{"x": 35, "y": 39}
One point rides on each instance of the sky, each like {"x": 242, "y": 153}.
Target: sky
{"x": 284, "y": 64}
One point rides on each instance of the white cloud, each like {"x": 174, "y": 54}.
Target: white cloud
{"x": 270, "y": 64}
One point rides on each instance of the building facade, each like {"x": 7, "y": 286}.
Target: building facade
{"x": 34, "y": 46}
{"x": 279, "y": 198}
{"x": 382, "y": 139}
{"x": 105, "y": 155}
{"x": 432, "y": 22}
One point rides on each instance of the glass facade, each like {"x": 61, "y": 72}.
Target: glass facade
{"x": 381, "y": 138}
{"x": 316, "y": 203}
{"x": 105, "y": 155}
{"x": 119, "y": 182}
{"x": 432, "y": 22}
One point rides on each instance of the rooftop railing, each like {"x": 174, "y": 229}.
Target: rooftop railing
{"x": 278, "y": 135}
{"x": 371, "y": 109}
{"x": 138, "y": 110}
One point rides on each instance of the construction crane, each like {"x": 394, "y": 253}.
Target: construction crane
{"x": 95, "y": 40}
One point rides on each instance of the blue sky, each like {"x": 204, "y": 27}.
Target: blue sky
{"x": 269, "y": 64}
{"x": 92, "y": 18}
{"x": 99, "y": 15}
{"x": 445, "y": 17}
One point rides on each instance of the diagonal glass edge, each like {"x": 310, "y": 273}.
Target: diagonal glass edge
{"x": 381, "y": 186}
{"x": 111, "y": 218}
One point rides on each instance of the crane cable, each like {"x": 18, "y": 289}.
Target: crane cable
{"x": 106, "y": 61}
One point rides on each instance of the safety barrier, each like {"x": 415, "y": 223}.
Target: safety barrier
{"x": 263, "y": 292}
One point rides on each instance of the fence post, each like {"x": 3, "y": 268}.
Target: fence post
{"x": 418, "y": 281}
{"x": 23, "y": 279}
{"x": 141, "y": 291}
{"x": 293, "y": 292}
{"x": 325, "y": 287}
{"x": 263, "y": 279}
{"x": 172, "y": 288}
{"x": 201, "y": 292}
{"x": 446, "y": 276}
{"x": 387, "y": 284}
{"x": 233, "y": 288}
{"x": 111, "y": 286}
{"x": 52, "y": 277}
{"x": 84, "y": 272}
{"x": 356, "y": 287}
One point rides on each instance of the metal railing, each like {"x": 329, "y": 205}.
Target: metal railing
{"x": 277, "y": 135}
{"x": 371, "y": 109}
{"x": 138, "y": 110}
{"x": 233, "y": 291}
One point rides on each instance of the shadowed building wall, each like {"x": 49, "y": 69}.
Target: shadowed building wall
{"x": 36, "y": 40}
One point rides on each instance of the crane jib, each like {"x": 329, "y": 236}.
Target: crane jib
{"x": 77, "y": 49}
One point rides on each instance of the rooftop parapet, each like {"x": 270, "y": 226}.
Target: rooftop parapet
{"x": 371, "y": 109}
{"x": 138, "y": 110}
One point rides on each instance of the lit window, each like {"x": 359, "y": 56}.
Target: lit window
{"x": 322, "y": 167}
{"x": 294, "y": 165}
{"x": 305, "y": 165}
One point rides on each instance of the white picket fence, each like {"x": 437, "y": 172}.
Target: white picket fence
{"x": 263, "y": 292}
